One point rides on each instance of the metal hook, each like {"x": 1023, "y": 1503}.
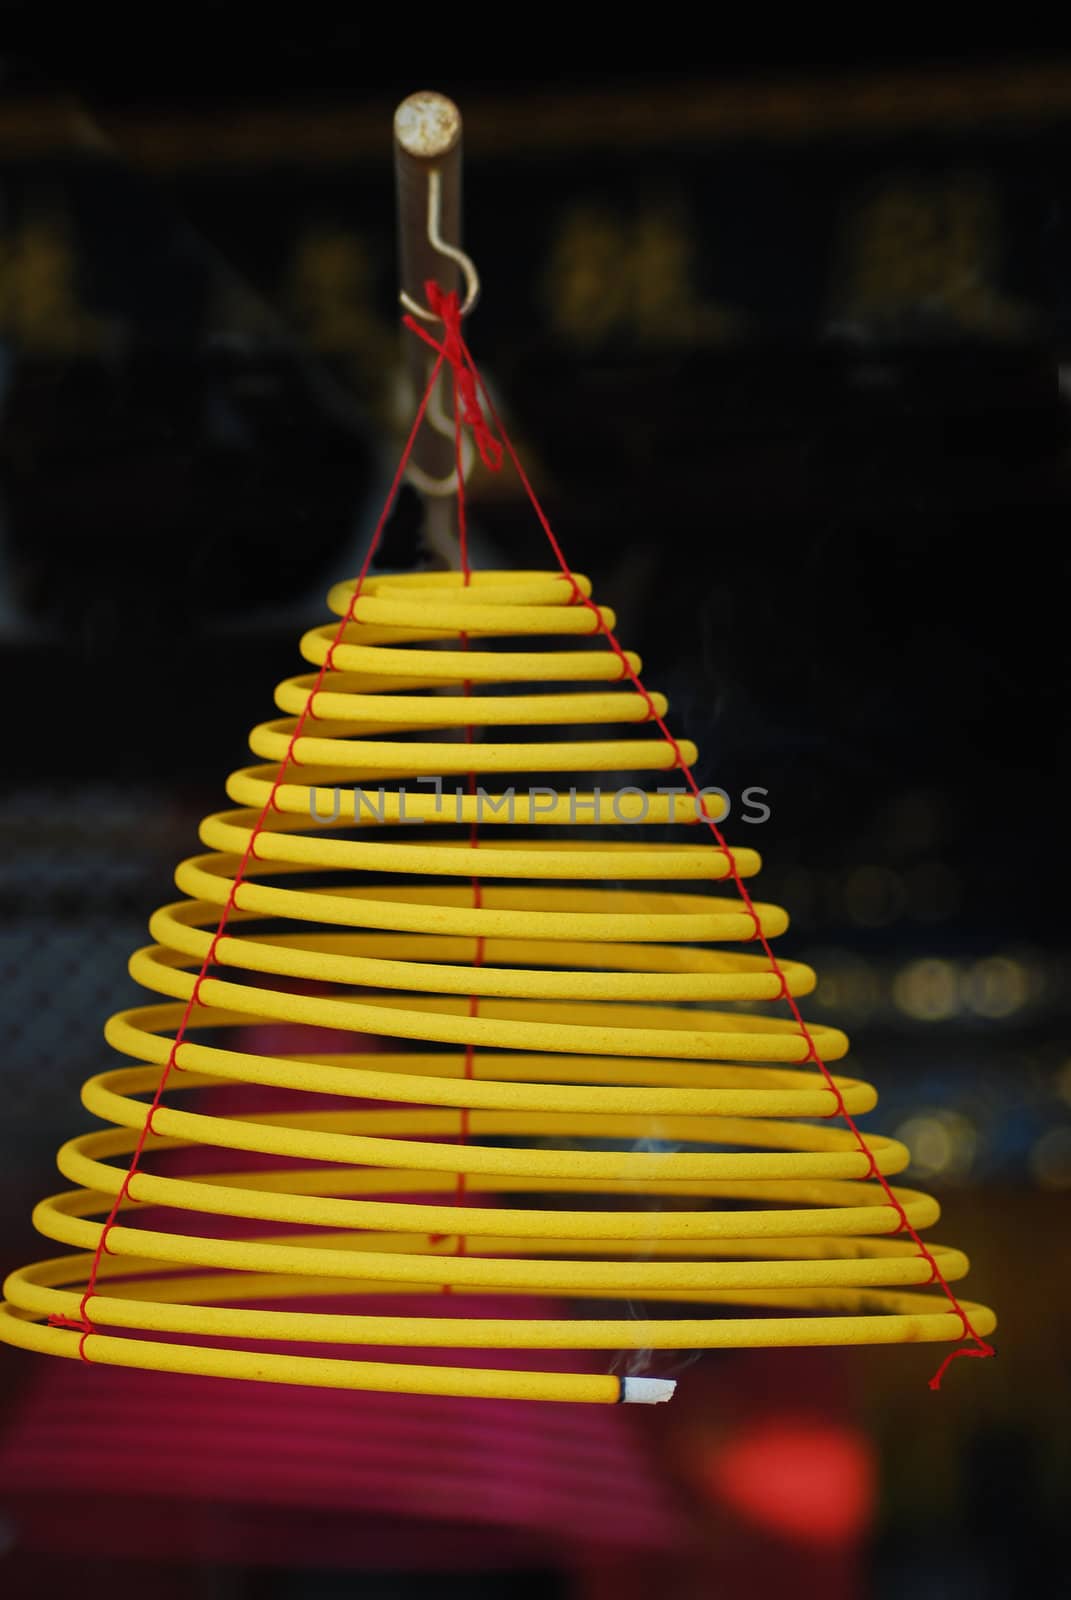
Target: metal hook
{"x": 427, "y": 159}
{"x": 450, "y": 251}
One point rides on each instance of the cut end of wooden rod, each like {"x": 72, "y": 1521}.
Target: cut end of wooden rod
{"x": 427, "y": 125}
{"x": 647, "y": 1391}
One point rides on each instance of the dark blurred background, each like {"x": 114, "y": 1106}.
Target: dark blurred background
{"x": 786, "y": 345}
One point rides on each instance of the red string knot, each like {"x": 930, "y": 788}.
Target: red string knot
{"x": 447, "y": 307}
{"x": 79, "y": 1324}
{"x": 650, "y": 715}
{"x": 935, "y": 1276}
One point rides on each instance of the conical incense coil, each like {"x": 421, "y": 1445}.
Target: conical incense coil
{"x": 560, "y": 1104}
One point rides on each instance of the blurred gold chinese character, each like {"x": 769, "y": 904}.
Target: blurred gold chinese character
{"x": 331, "y": 290}
{"x": 609, "y": 276}
{"x": 39, "y": 305}
{"x": 928, "y": 250}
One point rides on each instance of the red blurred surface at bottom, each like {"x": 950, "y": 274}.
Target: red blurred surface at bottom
{"x": 122, "y": 1461}
{"x": 122, "y": 1483}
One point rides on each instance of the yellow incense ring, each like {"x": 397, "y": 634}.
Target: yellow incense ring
{"x": 555, "y": 1102}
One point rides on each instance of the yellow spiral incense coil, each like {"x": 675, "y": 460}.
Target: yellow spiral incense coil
{"x": 580, "y": 1087}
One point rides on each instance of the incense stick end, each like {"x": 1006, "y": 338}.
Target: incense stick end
{"x": 647, "y": 1391}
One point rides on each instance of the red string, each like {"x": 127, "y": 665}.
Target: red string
{"x": 249, "y": 853}
{"x": 983, "y": 1348}
{"x": 466, "y": 401}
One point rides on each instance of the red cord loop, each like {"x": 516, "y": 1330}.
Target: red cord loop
{"x": 650, "y": 713}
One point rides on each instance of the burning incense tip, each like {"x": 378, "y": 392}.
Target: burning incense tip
{"x": 647, "y": 1391}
